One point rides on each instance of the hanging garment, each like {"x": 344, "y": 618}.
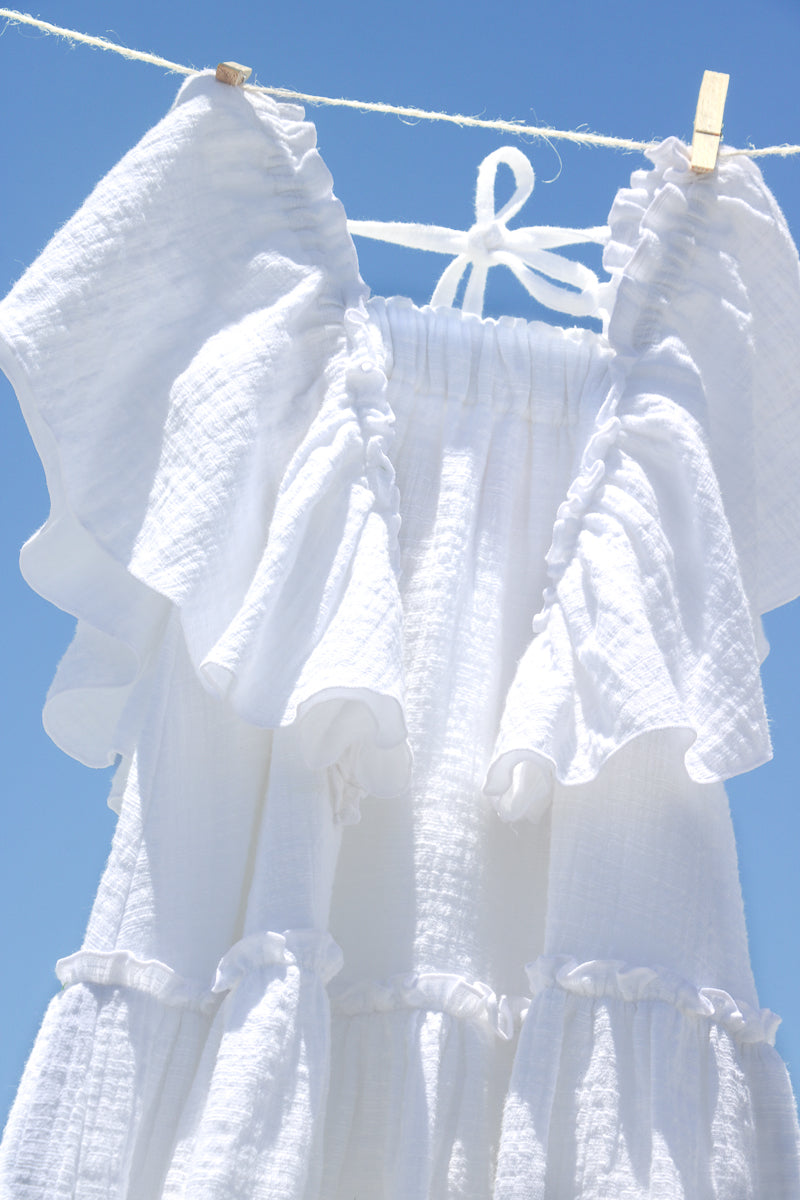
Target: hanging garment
{"x": 425, "y": 643}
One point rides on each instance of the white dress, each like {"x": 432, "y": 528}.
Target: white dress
{"x": 425, "y": 643}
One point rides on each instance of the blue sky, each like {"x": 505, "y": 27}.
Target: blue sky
{"x": 629, "y": 68}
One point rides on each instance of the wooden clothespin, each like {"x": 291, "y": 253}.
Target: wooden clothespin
{"x": 233, "y": 73}
{"x": 708, "y": 121}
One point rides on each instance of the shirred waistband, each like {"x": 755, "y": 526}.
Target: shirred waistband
{"x": 511, "y": 365}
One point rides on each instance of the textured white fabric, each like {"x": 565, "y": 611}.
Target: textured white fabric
{"x": 359, "y": 585}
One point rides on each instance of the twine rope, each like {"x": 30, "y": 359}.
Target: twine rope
{"x": 516, "y": 128}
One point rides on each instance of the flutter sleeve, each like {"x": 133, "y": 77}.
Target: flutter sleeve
{"x": 681, "y": 525}
{"x": 727, "y": 281}
{"x": 192, "y": 358}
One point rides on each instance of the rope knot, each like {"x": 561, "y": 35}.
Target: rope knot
{"x": 527, "y": 252}
{"x": 483, "y": 240}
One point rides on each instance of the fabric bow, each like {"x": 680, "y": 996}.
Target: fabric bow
{"x": 489, "y": 243}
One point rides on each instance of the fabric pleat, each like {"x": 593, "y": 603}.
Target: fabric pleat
{"x": 616, "y": 1106}
{"x": 255, "y": 1110}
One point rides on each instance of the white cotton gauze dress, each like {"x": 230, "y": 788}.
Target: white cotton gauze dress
{"x": 426, "y": 643}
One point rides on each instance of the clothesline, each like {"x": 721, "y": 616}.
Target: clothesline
{"x": 516, "y": 128}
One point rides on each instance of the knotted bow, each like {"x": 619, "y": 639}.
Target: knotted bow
{"x": 490, "y": 243}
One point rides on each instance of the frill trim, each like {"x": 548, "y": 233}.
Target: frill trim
{"x": 310, "y": 951}
{"x": 503, "y": 1015}
{"x": 120, "y": 968}
{"x": 307, "y": 949}
{"x": 617, "y": 980}
{"x": 644, "y": 625}
{"x": 313, "y": 952}
{"x": 367, "y": 386}
{"x": 464, "y": 999}
{"x": 271, "y": 530}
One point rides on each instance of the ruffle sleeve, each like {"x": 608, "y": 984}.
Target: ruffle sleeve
{"x": 193, "y": 359}
{"x": 677, "y": 529}
{"x": 709, "y": 262}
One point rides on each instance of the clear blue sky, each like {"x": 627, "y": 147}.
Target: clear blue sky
{"x": 629, "y": 68}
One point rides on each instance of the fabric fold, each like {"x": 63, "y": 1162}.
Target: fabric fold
{"x": 416, "y": 1101}
{"x": 267, "y": 1060}
{"x": 252, "y": 491}
{"x": 112, "y": 1063}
